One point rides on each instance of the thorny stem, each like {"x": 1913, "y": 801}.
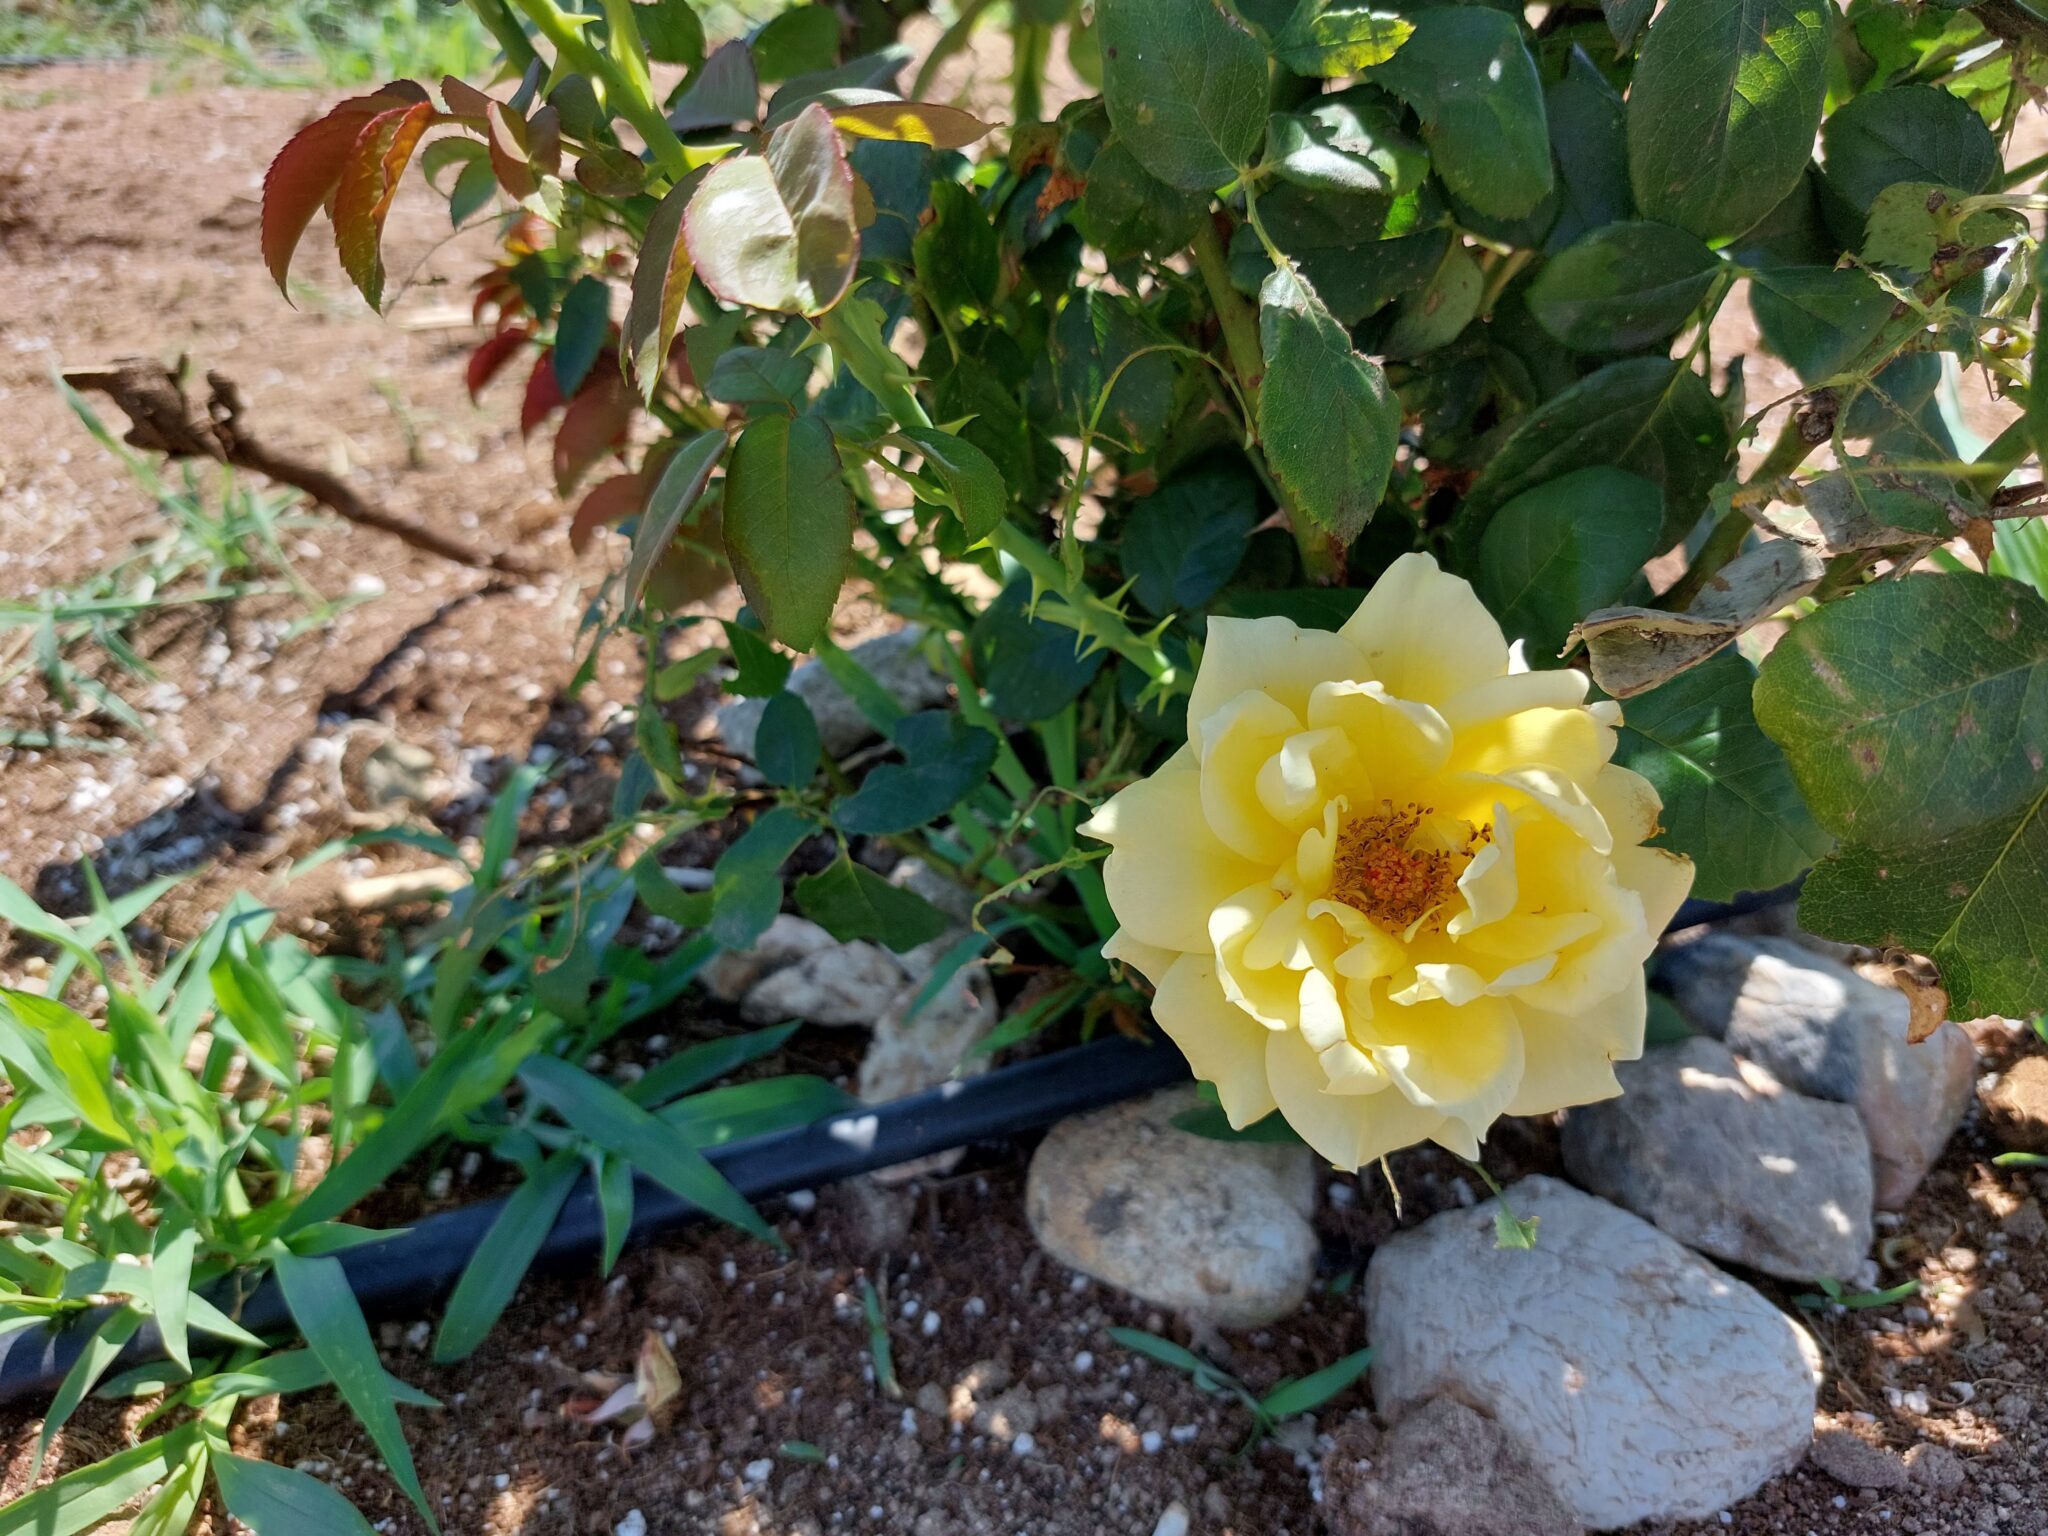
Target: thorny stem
{"x": 632, "y": 104}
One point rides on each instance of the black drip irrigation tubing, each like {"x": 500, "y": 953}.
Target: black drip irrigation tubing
{"x": 422, "y": 1262}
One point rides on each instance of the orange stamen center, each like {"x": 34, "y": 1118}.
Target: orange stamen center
{"x": 1394, "y": 865}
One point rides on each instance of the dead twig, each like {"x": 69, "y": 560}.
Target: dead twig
{"x": 162, "y": 420}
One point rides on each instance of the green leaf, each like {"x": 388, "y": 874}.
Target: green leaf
{"x": 316, "y": 1290}
{"x": 1975, "y": 902}
{"x": 1326, "y": 417}
{"x": 99, "y": 1352}
{"x": 956, "y": 254}
{"x": 1648, "y": 415}
{"x": 801, "y": 41}
{"x": 760, "y": 377}
{"x": 788, "y": 525}
{"x": 1917, "y": 133}
{"x": 274, "y": 1500}
{"x": 1436, "y": 316}
{"x": 1316, "y": 1388}
{"x": 1184, "y": 541}
{"x": 1031, "y": 667}
{"x": 1729, "y": 799}
{"x": 1622, "y": 288}
{"x": 1349, "y": 143}
{"x": 614, "y": 1122}
{"x": 170, "y": 1273}
{"x": 1561, "y": 549}
{"x": 850, "y": 901}
{"x": 680, "y": 488}
{"x": 672, "y": 31}
{"x": 706, "y": 1062}
{"x": 661, "y": 281}
{"x": 78, "y": 1058}
{"x": 580, "y": 328}
{"x": 760, "y": 669}
{"x": 80, "y": 1500}
{"x": 1915, "y": 708}
{"x": 661, "y": 896}
{"x": 778, "y": 230}
{"x": 491, "y": 1278}
{"x": 1472, "y": 82}
{"x": 786, "y": 742}
{"x": 615, "y": 1205}
{"x": 1185, "y": 86}
{"x": 1325, "y": 39}
{"x": 475, "y": 185}
{"x": 1587, "y": 136}
{"x": 1818, "y": 319}
{"x": 945, "y": 759}
{"x": 745, "y": 893}
{"x": 1723, "y": 110}
{"x": 739, "y": 1111}
{"x": 1127, "y": 211}
{"x": 972, "y": 484}
{"x": 1343, "y": 246}
{"x": 1625, "y": 20}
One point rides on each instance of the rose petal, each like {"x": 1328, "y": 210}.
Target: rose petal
{"x": 1221, "y": 1043}
{"x": 1425, "y": 634}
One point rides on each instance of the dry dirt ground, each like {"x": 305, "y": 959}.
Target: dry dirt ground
{"x": 127, "y": 226}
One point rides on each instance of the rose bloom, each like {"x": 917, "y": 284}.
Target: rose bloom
{"x": 1392, "y": 885}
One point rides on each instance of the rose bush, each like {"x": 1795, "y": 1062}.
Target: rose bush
{"x": 1393, "y": 885}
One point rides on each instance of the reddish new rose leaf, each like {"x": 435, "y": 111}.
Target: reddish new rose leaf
{"x": 464, "y": 99}
{"x": 489, "y": 360}
{"x": 369, "y": 181}
{"x": 543, "y": 393}
{"x": 305, "y": 172}
{"x": 596, "y": 422}
{"x": 544, "y": 140}
{"x": 660, "y": 282}
{"x": 506, "y": 132}
{"x": 609, "y": 501}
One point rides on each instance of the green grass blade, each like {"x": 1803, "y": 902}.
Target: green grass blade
{"x": 1316, "y": 1388}
{"x": 170, "y": 1274}
{"x": 706, "y": 1063}
{"x": 91, "y": 1364}
{"x": 283, "y": 1501}
{"x": 492, "y": 1276}
{"x": 80, "y": 1500}
{"x": 316, "y": 1291}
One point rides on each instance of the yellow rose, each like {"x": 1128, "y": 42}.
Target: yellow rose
{"x": 1392, "y": 886}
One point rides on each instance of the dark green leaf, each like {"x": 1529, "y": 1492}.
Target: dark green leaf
{"x": 760, "y": 670}
{"x": 1471, "y": 80}
{"x": 1325, "y": 39}
{"x": 80, "y": 1500}
{"x": 1561, "y": 549}
{"x": 706, "y": 1062}
{"x": 1818, "y": 319}
{"x": 786, "y": 742}
{"x": 579, "y": 331}
{"x": 614, "y": 1122}
{"x": 801, "y": 41}
{"x": 740, "y": 1110}
{"x": 1647, "y": 415}
{"x": 1343, "y": 247}
{"x": 663, "y": 897}
{"x": 1623, "y": 287}
{"x": 1914, "y": 708}
{"x": 1915, "y": 133}
{"x": 1587, "y": 137}
{"x": 1185, "y": 86}
{"x": 777, "y": 230}
{"x": 274, "y": 1500}
{"x": 968, "y": 476}
{"x": 474, "y": 188}
{"x": 1436, "y": 316}
{"x": 1184, "y": 541}
{"x": 1729, "y": 800}
{"x": 723, "y": 91}
{"x": 851, "y": 901}
{"x": 1625, "y": 19}
{"x": 325, "y": 1310}
{"x": 956, "y": 254}
{"x": 788, "y": 525}
{"x": 1349, "y": 143}
{"x": 1975, "y": 902}
{"x": 1326, "y": 417}
{"x": 745, "y": 891}
{"x": 760, "y": 377}
{"x": 491, "y": 1278}
{"x": 1723, "y": 110}
{"x": 1032, "y": 667}
{"x": 672, "y": 32}
{"x": 945, "y": 759}
{"x": 679, "y": 489}
{"x": 1128, "y": 211}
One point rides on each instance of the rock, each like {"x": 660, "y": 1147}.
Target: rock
{"x": 1934, "y": 1467}
{"x": 2017, "y": 1105}
{"x": 1443, "y": 1470}
{"x": 854, "y": 983}
{"x": 1856, "y": 1463}
{"x": 1644, "y": 1383}
{"x": 1824, "y": 1031}
{"x": 1217, "y": 1230}
{"x": 728, "y": 974}
{"x": 2026, "y": 1224}
{"x": 892, "y": 660}
{"x": 912, "y": 1052}
{"x": 1716, "y": 1153}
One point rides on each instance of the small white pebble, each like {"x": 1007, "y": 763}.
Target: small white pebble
{"x": 1150, "y": 1442}
{"x": 635, "y": 1524}
{"x": 502, "y": 1481}
{"x": 728, "y": 1271}
{"x": 1023, "y": 1445}
{"x": 1084, "y": 1361}
{"x": 930, "y": 1325}
{"x": 1173, "y": 1520}
{"x": 975, "y": 1307}
{"x": 757, "y": 1471}
{"x": 802, "y": 1201}
{"x": 909, "y": 1424}
{"x": 910, "y": 1306}
{"x": 1184, "y": 1434}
